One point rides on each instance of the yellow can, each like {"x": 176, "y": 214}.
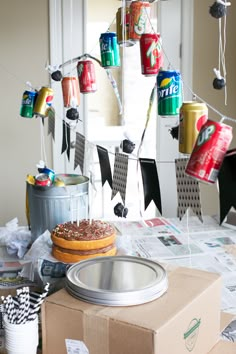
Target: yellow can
{"x": 43, "y": 101}
{"x": 191, "y": 118}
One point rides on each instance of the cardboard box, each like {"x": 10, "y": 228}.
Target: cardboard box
{"x": 185, "y": 319}
{"x": 224, "y": 347}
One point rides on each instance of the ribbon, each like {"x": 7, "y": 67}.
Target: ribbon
{"x": 104, "y": 165}
{"x": 65, "y": 139}
{"x": 151, "y": 186}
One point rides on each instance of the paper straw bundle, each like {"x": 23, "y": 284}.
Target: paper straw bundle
{"x": 25, "y": 306}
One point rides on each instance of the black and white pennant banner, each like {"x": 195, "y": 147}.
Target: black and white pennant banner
{"x": 65, "y": 138}
{"x": 105, "y": 166}
{"x": 151, "y": 186}
{"x": 188, "y": 191}
{"x": 120, "y": 175}
{"x": 79, "y": 151}
{"x": 51, "y": 122}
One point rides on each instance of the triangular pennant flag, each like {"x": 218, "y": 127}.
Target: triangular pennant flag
{"x": 188, "y": 191}
{"x": 64, "y": 142}
{"x": 79, "y": 151}
{"x": 120, "y": 175}
{"x": 227, "y": 184}
{"x": 51, "y": 122}
{"x": 68, "y": 141}
{"x": 104, "y": 165}
{"x": 65, "y": 138}
{"x": 151, "y": 186}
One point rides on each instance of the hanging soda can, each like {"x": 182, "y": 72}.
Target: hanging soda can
{"x": 122, "y": 27}
{"x": 139, "y": 19}
{"x": 191, "y": 118}
{"x": 169, "y": 91}
{"x": 27, "y": 104}
{"x": 151, "y": 53}
{"x": 110, "y": 56}
{"x": 209, "y": 151}
{"x": 70, "y": 91}
{"x": 43, "y": 101}
{"x": 86, "y": 74}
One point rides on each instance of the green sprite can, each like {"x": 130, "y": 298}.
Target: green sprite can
{"x": 169, "y": 90}
{"x": 110, "y": 56}
{"x": 27, "y": 104}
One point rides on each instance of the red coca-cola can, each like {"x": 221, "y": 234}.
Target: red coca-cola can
{"x": 86, "y": 75}
{"x": 209, "y": 151}
{"x": 151, "y": 53}
{"x": 70, "y": 91}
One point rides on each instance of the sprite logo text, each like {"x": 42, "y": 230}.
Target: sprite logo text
{"x": 205, "y": 135}
{"x": 169, "y": 91}
{"x": 27, "y": 101}
{"x": 105, "y": 47}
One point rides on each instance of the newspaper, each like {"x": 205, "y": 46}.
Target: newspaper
{"x": 10, "y": 268}
{"x": 187, "y": 243}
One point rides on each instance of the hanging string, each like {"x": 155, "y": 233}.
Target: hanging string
{"x": 43, "y": 155}
{"x": 223, "y": 56}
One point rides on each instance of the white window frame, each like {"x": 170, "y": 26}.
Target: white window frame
{"x": 62, "y": 19}
{"x": 67, "y": 19}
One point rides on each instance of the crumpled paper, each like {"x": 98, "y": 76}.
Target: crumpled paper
{"x": 16, "y": 239}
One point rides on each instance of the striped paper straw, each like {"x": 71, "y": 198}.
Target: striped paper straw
{"x": 10, "y": 309}
{"x": 37, "y": 305}
{"x": 27, "y": 306}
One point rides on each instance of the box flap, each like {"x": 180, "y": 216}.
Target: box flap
{"x": 224, "y": 347}
{"x": 226, "y": 319}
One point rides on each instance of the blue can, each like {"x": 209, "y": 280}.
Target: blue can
{"x": 110, "y": 56}
{"x": 169, "y": 90}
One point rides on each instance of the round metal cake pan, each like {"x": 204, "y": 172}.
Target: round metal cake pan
{"x": 124, "y": 302}
{"x": 117, "y": 281}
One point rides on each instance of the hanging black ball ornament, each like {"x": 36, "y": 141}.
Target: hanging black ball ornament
{"x": 120, "y": 210}
{"x": 218, "y": 84}
{"x": 218, "y": 10}
{"x": 72, "y": 114}
{"x": 127, "y": 146}
{"x": 174, "y": 132}
{"x": 56, "y": 75}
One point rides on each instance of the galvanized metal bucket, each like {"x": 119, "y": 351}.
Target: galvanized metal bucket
{"x": 51, "y": 205}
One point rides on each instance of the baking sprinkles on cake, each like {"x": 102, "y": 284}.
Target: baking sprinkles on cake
{"x": 74, "y": 242}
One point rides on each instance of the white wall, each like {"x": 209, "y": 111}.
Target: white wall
{"x": 24, "y": 51}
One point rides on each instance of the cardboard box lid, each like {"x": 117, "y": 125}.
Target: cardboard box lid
{"x": 224, "y": 347}
{"x": 195, "y": 282}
